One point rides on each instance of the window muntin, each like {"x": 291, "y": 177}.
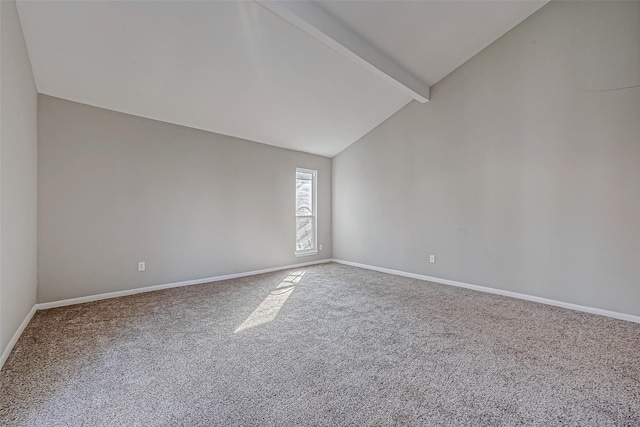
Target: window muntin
{"x": 306, "y": 211}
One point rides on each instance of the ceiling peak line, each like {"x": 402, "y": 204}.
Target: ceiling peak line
{"x": 322, "y": 26}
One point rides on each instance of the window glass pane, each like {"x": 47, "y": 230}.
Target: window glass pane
{"x": 304, "y": 234}
{"x": 304, "y": 175}
{"x": 304, "y": 196}
{"x": 305, "y": 211}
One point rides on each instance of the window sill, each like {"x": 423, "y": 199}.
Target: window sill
{"x": 306, "y": 253}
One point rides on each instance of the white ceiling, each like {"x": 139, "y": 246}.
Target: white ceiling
{"x": 238, "y": 69}
{"x": 229, "y": 67}
{"x": 430, "y": 39}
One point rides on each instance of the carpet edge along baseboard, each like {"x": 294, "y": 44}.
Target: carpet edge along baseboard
{"x": 495, "y": 291}
{"x": 117, "y": 294}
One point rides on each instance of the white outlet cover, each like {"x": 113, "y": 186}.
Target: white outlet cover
{"x": 141, "y": 266}
{"x": 432, "y": 258}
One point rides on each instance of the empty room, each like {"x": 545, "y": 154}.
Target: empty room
{"x": 320, "y": 213}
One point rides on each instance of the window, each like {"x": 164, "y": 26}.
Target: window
{"x": 306, "y": 212}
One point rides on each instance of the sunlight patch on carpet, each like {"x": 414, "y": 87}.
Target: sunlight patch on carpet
{"x": 269, "y": 308}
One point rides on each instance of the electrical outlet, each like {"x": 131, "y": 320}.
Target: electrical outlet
{"x": 141, "y": 266}
{"x": 432, "y": 258}
{"x": 320, "y": 246}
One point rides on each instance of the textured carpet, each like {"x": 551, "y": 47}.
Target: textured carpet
{"x": 324, "y": 345}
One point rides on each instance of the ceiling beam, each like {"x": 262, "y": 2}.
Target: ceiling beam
{"x": 322, "y": 26}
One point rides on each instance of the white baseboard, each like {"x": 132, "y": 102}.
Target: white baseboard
{"x": 80, "y": 300}
{"x": 592, "y": 310}
{"x": 16, "y": 336}
{"x": 90, "y": 298}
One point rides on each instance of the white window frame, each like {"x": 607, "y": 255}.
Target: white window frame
{"x": 313, "y": 216}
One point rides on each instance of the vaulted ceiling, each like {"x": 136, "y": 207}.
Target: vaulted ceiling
{"x": 310, "y": 76}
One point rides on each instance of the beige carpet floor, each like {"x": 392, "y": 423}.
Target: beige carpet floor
{"x": 323, "y": 345}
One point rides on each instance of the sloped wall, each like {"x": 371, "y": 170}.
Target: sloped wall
{"x": 522, "y": 171}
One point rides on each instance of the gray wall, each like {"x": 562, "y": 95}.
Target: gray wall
{"x": 116, "y": 189}
{"x": 522, "y": 173}
{"x": 18, "y": 177}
